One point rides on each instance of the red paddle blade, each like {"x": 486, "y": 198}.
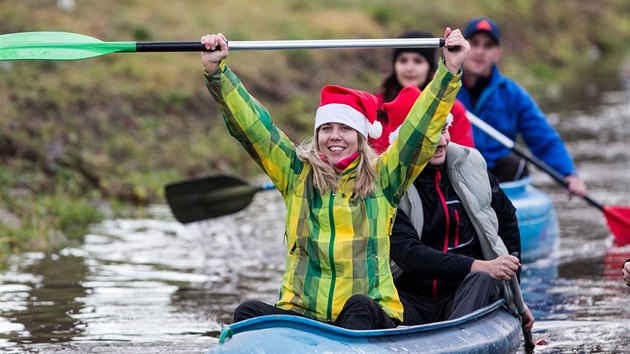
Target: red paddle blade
{"x": 618, "y": 218}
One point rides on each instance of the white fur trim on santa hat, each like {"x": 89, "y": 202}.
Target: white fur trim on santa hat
{"x": 344, "y": 114}
{"x": 393, "y": 135}
{"x": 375, "y": 129}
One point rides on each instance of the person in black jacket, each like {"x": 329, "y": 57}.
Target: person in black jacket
{"x": 444, "y": 273}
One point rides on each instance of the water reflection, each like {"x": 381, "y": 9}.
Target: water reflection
{"x": 43, "y": 308}
{"x": 579, "y": 300}
{"x": 128, "y": 282}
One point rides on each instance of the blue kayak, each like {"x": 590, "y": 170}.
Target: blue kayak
{"x": 537, "y": 220}
{"x": 491, "y": 329}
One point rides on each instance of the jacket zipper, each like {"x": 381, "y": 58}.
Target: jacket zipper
{"x": 331, "y": 257}
{"x": 456, "y": 229}
{"x": 438, "y": 177}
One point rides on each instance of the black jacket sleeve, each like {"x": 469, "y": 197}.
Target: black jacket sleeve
{"x": 508, "y": 223}
{"x": 421, "y": 260}
{"x": 506, "y": 214}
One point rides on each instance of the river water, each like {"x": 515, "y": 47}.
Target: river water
{"x": 156, "y": 286}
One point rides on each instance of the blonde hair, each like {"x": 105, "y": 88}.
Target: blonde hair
{"x": 324, "y": 175}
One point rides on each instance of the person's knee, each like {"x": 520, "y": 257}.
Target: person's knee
{"x": 248, "y": 305}
{"x": 360, "y": 304}
{"x": 480, "y": 277}
{"x": 359, "y": 300}
{"x": 246, "y": 310}
{"x": 483, "y": 283}
{"x": 360, "y": 312}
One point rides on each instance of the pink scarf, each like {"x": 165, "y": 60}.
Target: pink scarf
{"x": 345, "y": 162}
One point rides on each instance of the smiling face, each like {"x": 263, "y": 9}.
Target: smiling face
{"x": 337, "y": 141}
{"x": 411, "y": 69}
{"x": 439, "y": 157}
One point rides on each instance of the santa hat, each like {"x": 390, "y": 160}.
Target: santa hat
{"x": 398, "y": 109}
{"x": 354, "y": 108}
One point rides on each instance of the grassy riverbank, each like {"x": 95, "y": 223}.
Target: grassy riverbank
{"x": 78, "y": 137}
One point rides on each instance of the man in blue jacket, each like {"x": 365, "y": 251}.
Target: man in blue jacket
{"x": 507, "y": 107}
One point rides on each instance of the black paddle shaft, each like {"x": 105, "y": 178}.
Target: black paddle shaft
{"x": 169, "y": 47}
{"x": 551, "y": 172}
{"x": 520, "y": 304}
{"x": 296, "y": 44}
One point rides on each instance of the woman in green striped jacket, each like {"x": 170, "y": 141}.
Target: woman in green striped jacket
{"x": 340, "y": 198}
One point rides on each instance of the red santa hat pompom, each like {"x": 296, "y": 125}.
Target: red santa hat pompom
{"x": 398, "y": 109}
{"x": 354, "y": 108}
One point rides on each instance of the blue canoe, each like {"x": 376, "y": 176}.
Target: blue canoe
{"x": 491, "y": 329}
{"x": 537, "y": 220}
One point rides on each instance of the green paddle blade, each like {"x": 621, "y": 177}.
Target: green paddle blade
{"x": 57, "y": 46}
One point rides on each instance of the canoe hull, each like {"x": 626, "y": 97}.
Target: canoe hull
{"x": 489, "y": 330}
{"x": 537, "y": 219}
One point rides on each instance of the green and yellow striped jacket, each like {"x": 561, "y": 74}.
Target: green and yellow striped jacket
{"x": 338, "y": 246}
